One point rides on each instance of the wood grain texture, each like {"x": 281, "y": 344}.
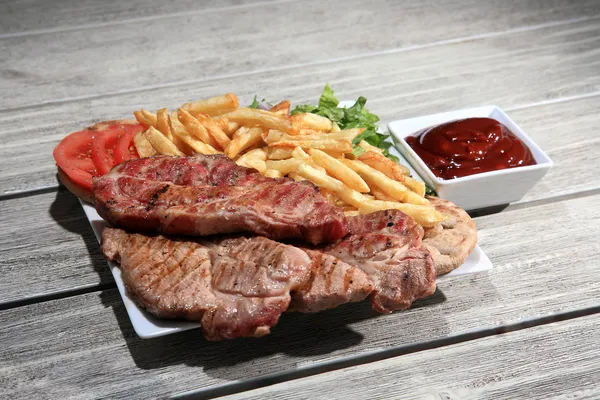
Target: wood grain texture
{"x": 134, "y": 55}
{"x": 555, "y": 361}
{"x": 502, "y": 70}
{"x": 23, "y": 17}
{"x": 47, "y": 246}
{"x": 567, "y": 132}
{"x": 84, "y": 346}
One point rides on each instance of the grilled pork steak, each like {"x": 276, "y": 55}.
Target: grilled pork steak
{"x": 234, "y": 286}
{"x": 206, "y": 195}
{"x": 386, "y": 246}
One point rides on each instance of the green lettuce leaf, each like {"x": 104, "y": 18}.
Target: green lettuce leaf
{"x": 328, "y": 99}
{"x": 357, "y": 116}
{"x": 305, "y": 108}
{"x": 255, "y": 103}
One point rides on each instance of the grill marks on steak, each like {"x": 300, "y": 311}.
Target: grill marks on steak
{"x": 207, "y": 195}
{"x": 386, "y": 246}
{"x": 234, "y": 286}
{"x": 332, "y": 283}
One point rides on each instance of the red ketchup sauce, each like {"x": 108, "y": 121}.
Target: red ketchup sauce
{"x": 469, "y": 146}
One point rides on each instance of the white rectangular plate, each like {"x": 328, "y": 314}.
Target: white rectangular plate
{"x": 147, "y": 326}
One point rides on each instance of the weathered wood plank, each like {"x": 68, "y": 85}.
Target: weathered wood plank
{"x": 70, "y": 64}
{"x": 39, "y": 16}
{"x": 545, "y": 262}
{"x": 554, "y": 361}
{"x": 503, "y": 70}
{"x": 46, "y": 247}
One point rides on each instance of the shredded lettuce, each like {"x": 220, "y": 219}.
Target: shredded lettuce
{"x": 263, "y": 104}
{"x": 357, "y": 116}
{"x": 430, "y": 192}
{"x": 255, "y": 103}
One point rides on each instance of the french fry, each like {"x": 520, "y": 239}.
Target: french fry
{"x": 284, "y": 166}
{"x": 222, "y": 122}
{"x": 311, "y": 121}
{"x": 162, "y": 123}
{"x": 177, "y": 130}
{"x": 338, "y": 188}
{"x": 282, "y": 108}
{"x": 341, "y": 203}
{"x": 300, "y": 154}
{"x": 424, "y": 215}
{"x": 143, "y": 146}
{"x": 335, "y": 154}
{"x": 308, "y": 132}
{"x": 379, "y": 194}
{"x": 335, "y": 127}
{"x": 197, "y": 145}
{"x": 160, "y": 143}
{"x": 377, "y": 160}
{"x": 243, "y": 139}
{"x": 330, "y": 197}
{"x": 281, "y": 140}
{"x": 415, "y": 185}
{"x": 351, "y": 213}
{"x": 296, "y": 177}
{"x": 389, "y": 186}
{"x": 254, "y": 159}
{"x": 271, "y": 173}
{"x": 227, "y": 126}
{"x": 369, "y": 147}
{"x": 232, "y": 127}
{"x": 275, "y": 136}
{"x": 341, "y": 146}
{"x": 255, "y": 117}
{"x": 145, "y": 117}
{"x": 213, "y": 106}
{"x": 193, "y": 126}
{"x": 382, "y": 164}
{"x": 260, "y": 154}
{"x": 214, "y": 130}
{"x": 339, "y": 170}
{"x": 274, "y": 153}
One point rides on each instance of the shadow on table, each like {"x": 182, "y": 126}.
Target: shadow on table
{"x": 67, "y": 212}
{"x": 296, "y": 338}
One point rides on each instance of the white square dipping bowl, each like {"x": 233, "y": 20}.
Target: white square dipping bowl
{"x": 477, "y": 191}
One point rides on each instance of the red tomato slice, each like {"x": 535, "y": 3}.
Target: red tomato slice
{"x": 125, "y": 150}
{"x": 80, "y": 153}
{"x": 74, "y": 156}
{"x": 104, "y": 147}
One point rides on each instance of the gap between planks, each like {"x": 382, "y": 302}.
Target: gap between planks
{"x": 334, "y": 60}
{"x": 376, "y": 356}
{"x": 57, "y": 295}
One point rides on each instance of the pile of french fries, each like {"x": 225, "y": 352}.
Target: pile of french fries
{"x": 277, "y": 144}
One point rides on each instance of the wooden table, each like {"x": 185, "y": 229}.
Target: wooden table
{"x": 526, "y": 329}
